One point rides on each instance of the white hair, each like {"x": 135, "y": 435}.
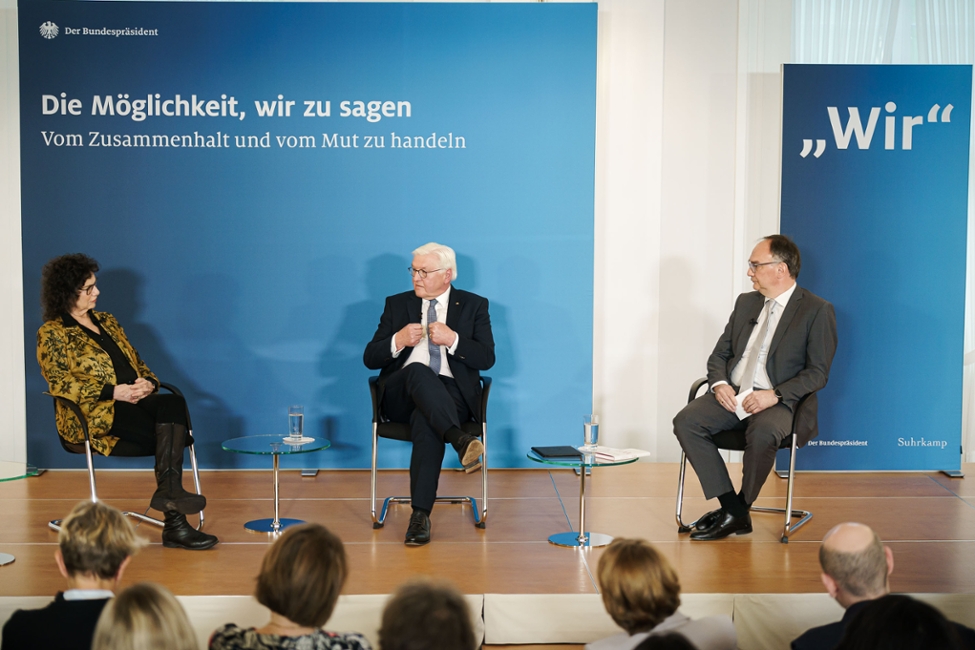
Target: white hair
{"x": 448, "y": 260}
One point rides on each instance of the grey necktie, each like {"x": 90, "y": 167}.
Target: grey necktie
{"x": 748, "y": 378}
{"x": 434, "y": 348}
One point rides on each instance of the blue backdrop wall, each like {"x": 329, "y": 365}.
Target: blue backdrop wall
{"x": 875, "y": 193}
{"x": 247, "y": 252}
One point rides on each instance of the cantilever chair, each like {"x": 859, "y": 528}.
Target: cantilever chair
{"x": 86, "y": 449}
{"x": 396, "y": 431}
{"x": 734, "y": 440}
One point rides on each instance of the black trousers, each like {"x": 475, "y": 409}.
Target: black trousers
{"x": 431, "y": 404}
{"x": 135, "y": 424}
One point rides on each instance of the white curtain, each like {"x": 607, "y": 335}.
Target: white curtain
{"x": 843, "y": 31}
{"x": 945, "y": 31}
{"x": 909, "y": 32}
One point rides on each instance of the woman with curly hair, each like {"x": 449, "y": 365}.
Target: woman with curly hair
{"x": 85, "y": 356}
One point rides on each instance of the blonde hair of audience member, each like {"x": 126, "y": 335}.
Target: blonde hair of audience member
{"x": 95, "y": 544}
{"x": 301, "y": 578}
{"x": 639, "y": 586}
{"x": 144, "y": 617}
{"x": 426, "y": 615}
{"x": 856, "y": 564}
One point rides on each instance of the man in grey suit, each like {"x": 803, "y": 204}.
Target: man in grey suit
{"x": 776, "y": 349}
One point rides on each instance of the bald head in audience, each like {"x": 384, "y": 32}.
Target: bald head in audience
{"x": 856, "y": 564}
{"x": 856, "y": 571}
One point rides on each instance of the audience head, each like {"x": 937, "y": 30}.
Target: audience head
{"x": 144, "y": 617}
{"x": 61, "y": 280}
{"x": 896, "y": 622}
{"x": 669, "y": 641}
{"x": 855, "y": 564}
{"x": 424, "y": 615}
{"x": 302, "y": 575}
{"x": 95, "y": 542}
{"x": 785, "y": 250}
{"x": 639, "y": 586}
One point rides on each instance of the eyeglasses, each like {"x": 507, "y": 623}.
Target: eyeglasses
{"x": 753, "y": 266}
{"x": 87, "y": 290}
{"x": 421, "y": 272}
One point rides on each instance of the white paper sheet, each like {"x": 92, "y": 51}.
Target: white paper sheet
{"x": 739, "y": 411}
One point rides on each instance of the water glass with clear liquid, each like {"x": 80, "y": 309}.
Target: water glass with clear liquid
{"x": 296, "y": 417}
{"x": 590, "y": 430}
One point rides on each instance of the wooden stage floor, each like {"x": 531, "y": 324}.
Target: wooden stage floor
{"x": 928, "y": 520}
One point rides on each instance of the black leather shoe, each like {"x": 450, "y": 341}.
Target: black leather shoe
{"x": 727, "y": 525}
{"x": 177, "y": 533}
{"x": 469, "y": 450}
{"x": 710, "y": 519}
{"x": 418, "y": 533}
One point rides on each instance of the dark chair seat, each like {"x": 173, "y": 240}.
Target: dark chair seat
{"x": 398, "y": 431}
{"x": 86, "y": 449}
{"x": 734, "y": 440}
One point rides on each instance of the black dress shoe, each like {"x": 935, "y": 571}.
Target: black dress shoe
{"x": 710, "y": 519}
{"x": 469, "y": 450}
{"x": 727, "y": 525}
{"x": 177, "y": 533}
{"x": 418, "y": 533}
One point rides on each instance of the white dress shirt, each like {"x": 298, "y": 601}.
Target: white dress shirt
{"x": 421, "y": 353}
{"x": 87, "y": 594}
{"x": 762, "y": 382}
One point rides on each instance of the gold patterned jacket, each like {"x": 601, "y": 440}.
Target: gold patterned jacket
{"x": 77, "y": 368}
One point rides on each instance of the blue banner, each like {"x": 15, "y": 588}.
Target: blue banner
{"x": 875, "y": 193}
{"x": 253, "y": 176}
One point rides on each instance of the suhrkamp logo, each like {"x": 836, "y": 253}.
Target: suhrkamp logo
{"x": 842, "y": 134}
{"x": 912, "y": 442}
{"x": 49, "y": 30}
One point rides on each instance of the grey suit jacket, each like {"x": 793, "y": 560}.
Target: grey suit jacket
{"x": 799, "y": 356}
{"x": 707, "y": 633}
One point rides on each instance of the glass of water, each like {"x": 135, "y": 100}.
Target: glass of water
{"x": 296, "y": 417}
{"x": 590, "y": 431}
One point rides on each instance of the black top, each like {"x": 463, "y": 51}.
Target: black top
{"x": 827, "y": 637}
{"x": 62, "y": 625}
{"x": 124, "y": 372}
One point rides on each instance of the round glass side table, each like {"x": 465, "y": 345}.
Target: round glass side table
{"x": 274, "y": 446}
{"x": 583, "y": 538}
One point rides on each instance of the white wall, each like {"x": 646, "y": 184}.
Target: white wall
{"x": 687, "y": 174}
{"x": 13, "y": 418}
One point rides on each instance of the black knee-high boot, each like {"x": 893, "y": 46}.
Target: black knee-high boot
{"x": 170, "y": 495}
{"x": 177, "y": 533}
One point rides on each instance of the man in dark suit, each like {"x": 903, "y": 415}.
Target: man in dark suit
{"x": 430, "y": 347}
{"x": 95, "y": 545}
{"x": 856, "y": 570}
{"x": 776, "y": 349}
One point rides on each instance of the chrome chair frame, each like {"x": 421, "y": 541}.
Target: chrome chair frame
{"x": 398, "y": 431}
{"x": 72, "y": 448}
{"x": 734, "y": 440}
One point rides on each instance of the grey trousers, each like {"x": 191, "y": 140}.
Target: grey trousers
{"x": 764, "y": 431}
